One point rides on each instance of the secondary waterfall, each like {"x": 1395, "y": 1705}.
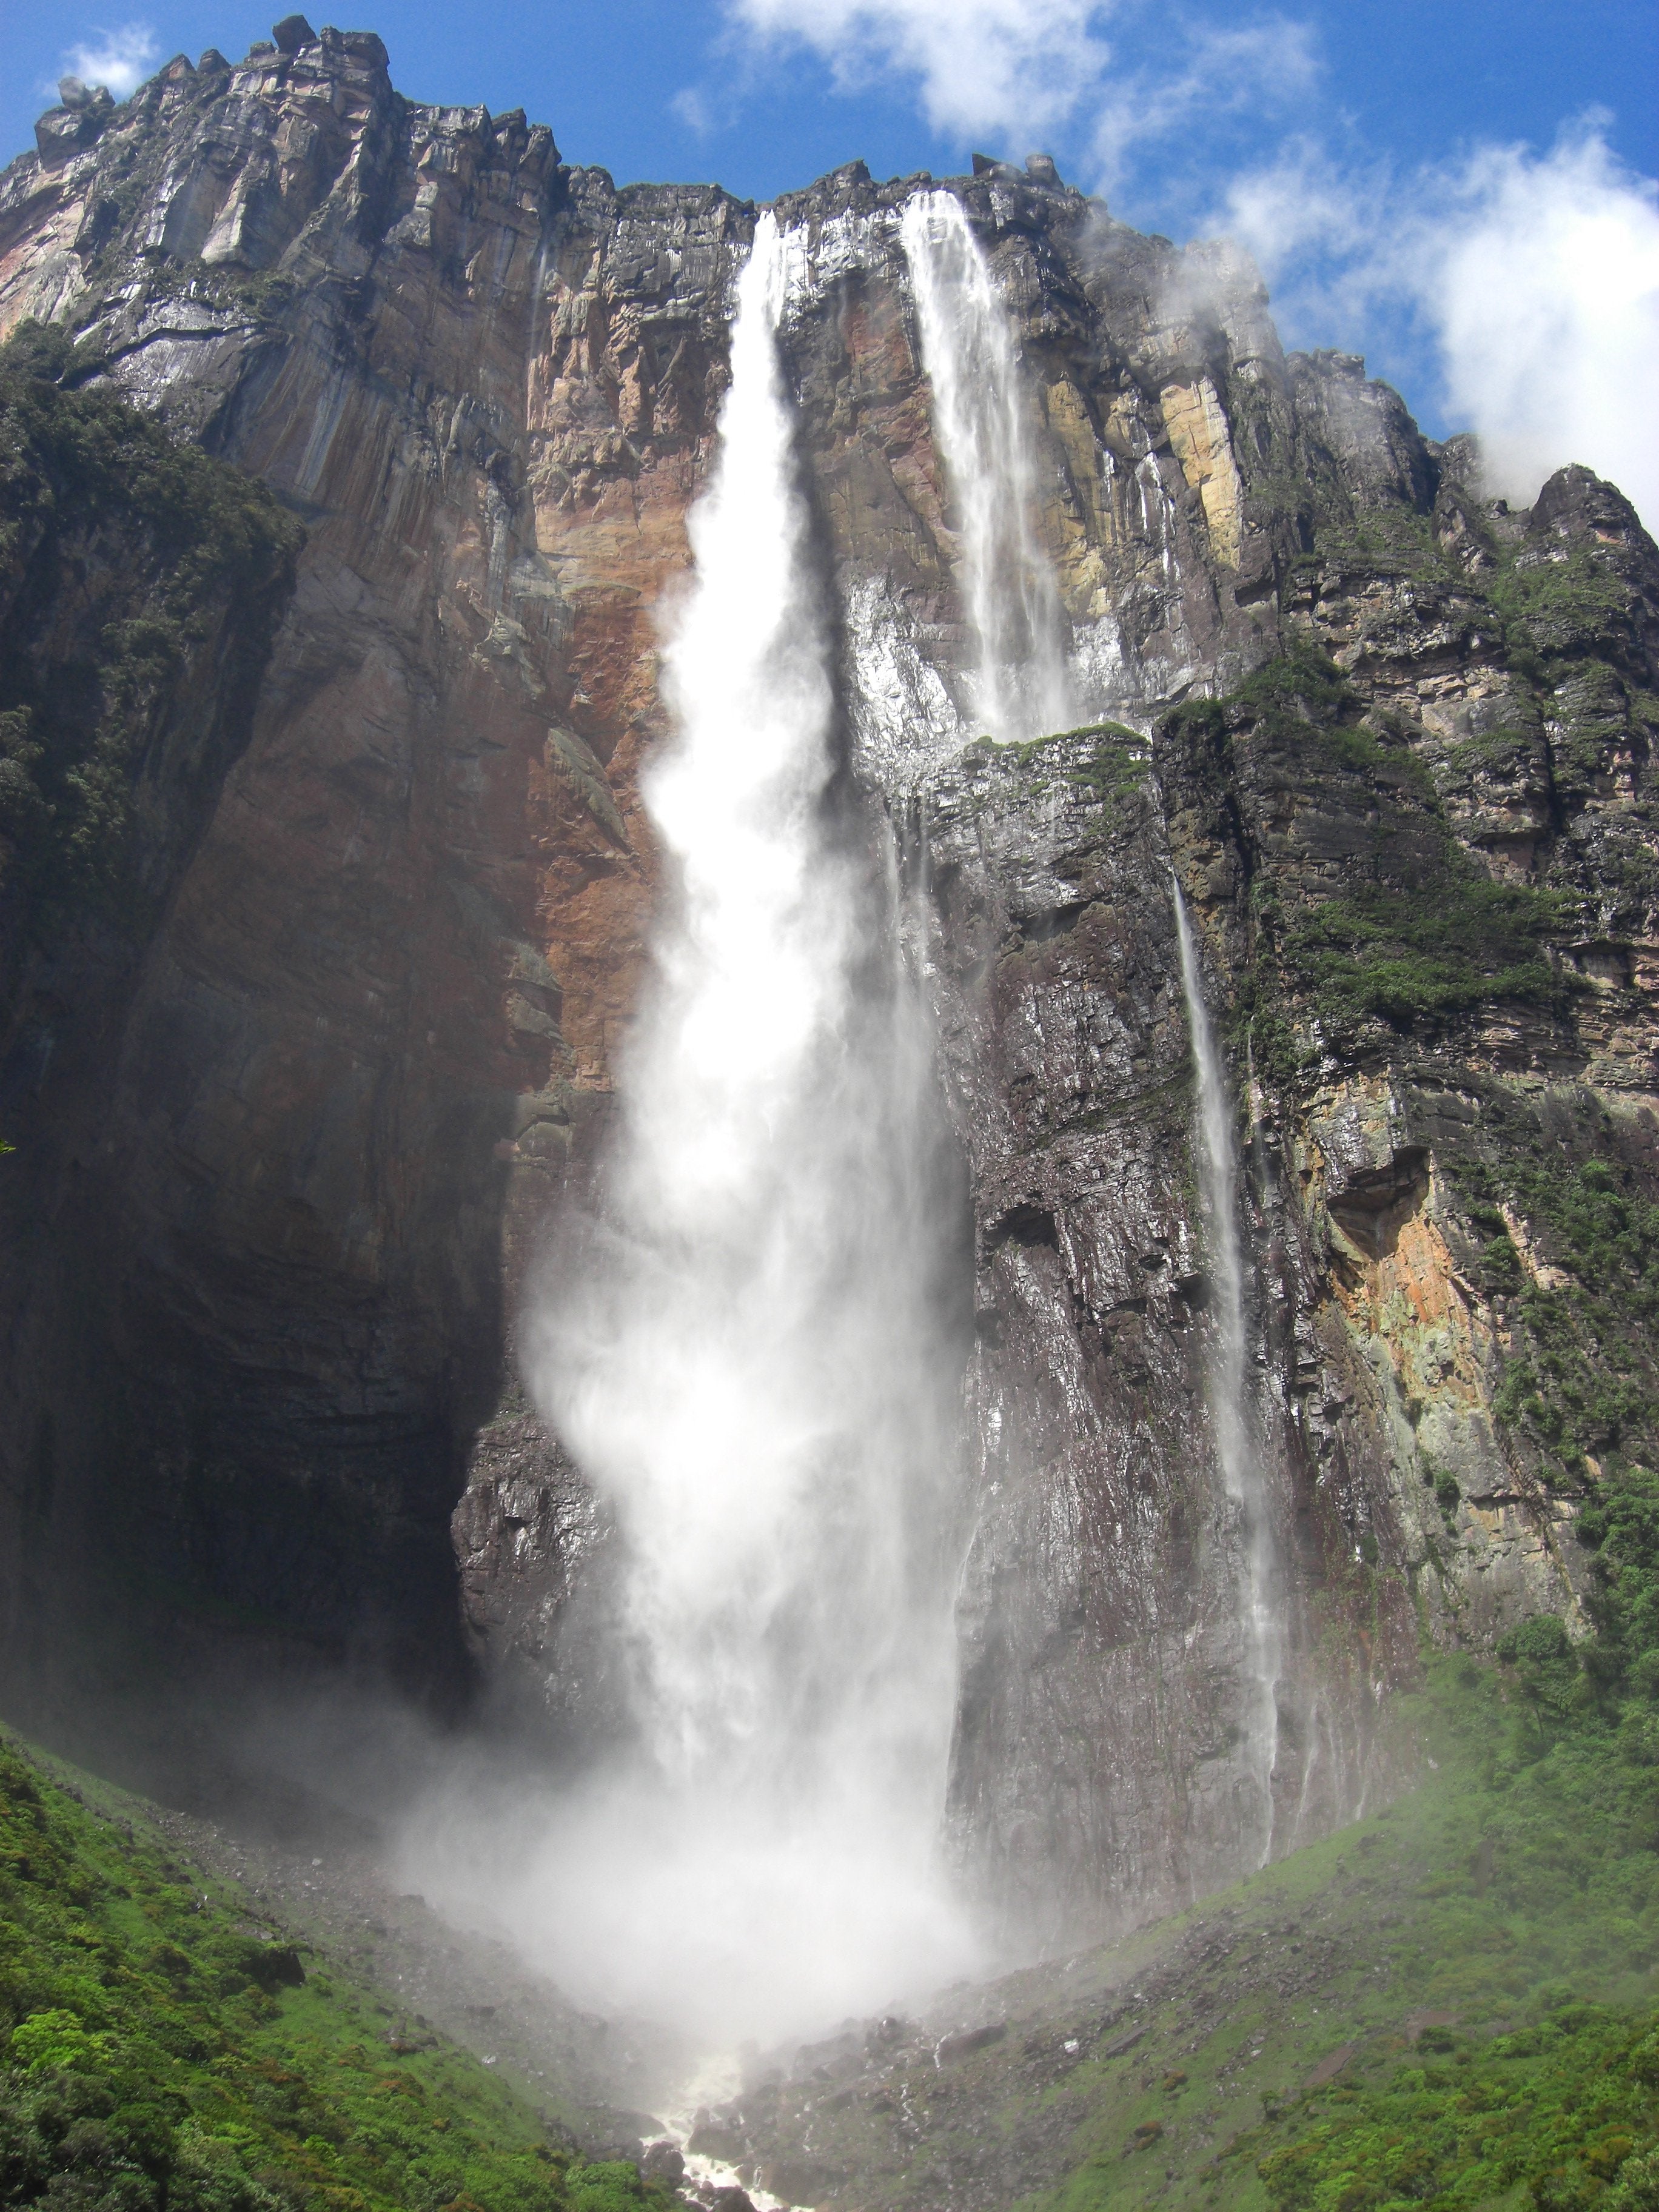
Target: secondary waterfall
{"x": 1241, "y": 1471}
{"x": 980, "y": 428}
{"x": 752, "y": 1363}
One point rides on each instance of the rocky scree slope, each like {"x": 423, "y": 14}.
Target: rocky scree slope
{"x": 1394, "y": 741}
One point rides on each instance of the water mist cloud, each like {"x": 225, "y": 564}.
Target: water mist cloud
{"x": 1534, "y": 278}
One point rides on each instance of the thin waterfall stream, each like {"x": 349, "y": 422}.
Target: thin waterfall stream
{"x": 1241, "y": 1471}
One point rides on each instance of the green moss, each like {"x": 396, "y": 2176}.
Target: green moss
{"x": 1116, "y": 766}
{"x": 1507, "y": 750}
{"x": 1593, "y": 714}
{"x": 1444, "y": 1483}
{"x": 1393, "y": 540}
{"x": 1107, "y": 760}
{"x": 1421, "y": 934}
{"x": 159, "y": 2057}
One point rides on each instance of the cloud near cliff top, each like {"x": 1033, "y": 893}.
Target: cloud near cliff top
{"x": 121, "y": 59}
{"x": 1535, "y": 276}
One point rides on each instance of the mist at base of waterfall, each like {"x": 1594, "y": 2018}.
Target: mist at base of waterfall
{"x": 698, "y": 1914}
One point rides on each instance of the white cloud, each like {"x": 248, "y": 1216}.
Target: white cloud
{"x": 992, "y": 66}
{"x": 1301, "y": 208}
{"x": 1535, "y": 276}
{"x": 1204, "y": 71}
{"x": 691, "y": 105}
{"x": 121, "y": 59}
{"x": 1016, "y": 73}
{"x": 1544, "y": 287}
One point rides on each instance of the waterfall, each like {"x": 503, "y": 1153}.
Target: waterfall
{"x": 980, "y": 428}
{"x": 752, "y": 1362}
{"x": 1242, "y": 1470}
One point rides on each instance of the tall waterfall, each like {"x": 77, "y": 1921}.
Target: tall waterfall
{"x": 980, "y": 426}
{"x": 1241, "y": 1471}
{"x": 753, "y": 1365}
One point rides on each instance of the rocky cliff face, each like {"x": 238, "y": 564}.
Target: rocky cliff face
{"x": 1393, "y": 740}
{"x": 139, "y": 586}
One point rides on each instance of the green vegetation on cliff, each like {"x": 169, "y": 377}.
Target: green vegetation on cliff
{"x": 135, "y": 571}
{"x": 1419, "y": 933}
{"x": 163, "y": 2053}
{"x": 1451, "y": 2003}
{"x": 1581, "y": 1376}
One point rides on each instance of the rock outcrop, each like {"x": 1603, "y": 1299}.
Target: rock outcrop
{"x": 1393, "y": 740}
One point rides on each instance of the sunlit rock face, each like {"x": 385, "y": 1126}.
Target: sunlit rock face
{"x": 370, "y": 1056}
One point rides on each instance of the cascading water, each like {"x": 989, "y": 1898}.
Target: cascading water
{"x": 980, "y": 426}
{"x": 1241, "y": 1471}
{"x": 754, "y": 1364}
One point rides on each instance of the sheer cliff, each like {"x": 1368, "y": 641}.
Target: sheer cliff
{"x": 1393, "y": 740}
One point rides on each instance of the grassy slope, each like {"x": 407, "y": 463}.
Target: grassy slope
{"x": 162, "y": 2050}
{"x": 1453, "y": 2004}
{"x": 1470, "y": 1972}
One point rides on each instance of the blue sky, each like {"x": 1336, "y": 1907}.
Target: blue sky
{"x": 1421, "y": 79}
{"x": 1345, "y": 139}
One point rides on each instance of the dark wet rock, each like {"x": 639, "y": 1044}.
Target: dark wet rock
{"x": 662, "y": 2161}
{"x": 962, "y": 2045}
{"x": 717, "y": 2135}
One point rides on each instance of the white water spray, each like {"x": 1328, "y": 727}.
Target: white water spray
{"x": 980, "y": 428}
{"x": 751, "y": 1364}
{"x": 1242, "y": 1471}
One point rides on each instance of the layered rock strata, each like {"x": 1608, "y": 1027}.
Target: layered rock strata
{"x": 368, "y": 1056}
